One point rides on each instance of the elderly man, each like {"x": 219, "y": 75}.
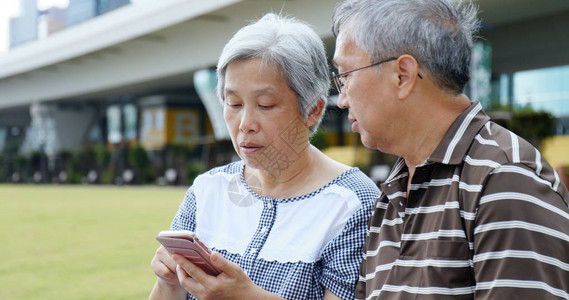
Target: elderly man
{"x": 470, "y": 210}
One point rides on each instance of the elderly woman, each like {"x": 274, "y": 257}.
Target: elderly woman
{"x": 286, "y": 221}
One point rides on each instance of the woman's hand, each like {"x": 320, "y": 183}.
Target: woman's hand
{"x": 164, "y": 266}
{"x": 232, "y": 283}
{"x": 167, "y": 284}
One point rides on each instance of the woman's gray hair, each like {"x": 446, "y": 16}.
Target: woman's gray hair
{"x": 289, "y": 45}
{"x": 437, "y": 33}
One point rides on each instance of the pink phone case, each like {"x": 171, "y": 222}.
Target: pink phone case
{"x": 191, "y": 248}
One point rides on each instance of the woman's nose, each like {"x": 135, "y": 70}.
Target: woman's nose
{"x": 249, "y": 123}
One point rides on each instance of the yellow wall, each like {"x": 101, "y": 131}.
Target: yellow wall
{"x": 183, "y": 125}
{"x": 349, "y": 155}
{"x": 161, "y": 126}
{"x": 556, "y": 150}
{"x": 353, "y": 154}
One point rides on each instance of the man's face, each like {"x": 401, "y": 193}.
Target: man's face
{"x": 369, "y": 94}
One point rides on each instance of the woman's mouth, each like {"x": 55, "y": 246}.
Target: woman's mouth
{"x": 248, "y": 148}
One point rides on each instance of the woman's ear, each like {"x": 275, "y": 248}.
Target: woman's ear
{"x": 315, "y": 113}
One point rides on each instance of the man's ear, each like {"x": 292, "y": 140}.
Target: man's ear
{"x": 315, "y": 113}
{"x": 408, "y": 70}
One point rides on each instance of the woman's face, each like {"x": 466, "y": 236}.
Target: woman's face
{"x": 261, "y": 112}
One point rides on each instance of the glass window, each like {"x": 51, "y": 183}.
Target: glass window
{"x": 543, "y": 89}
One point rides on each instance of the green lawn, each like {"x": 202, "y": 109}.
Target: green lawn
{"x": 81, "y": 242}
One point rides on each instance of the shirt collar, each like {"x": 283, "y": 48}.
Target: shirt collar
{"x": 453, "y": 146}
{"x": 456, "y": 142}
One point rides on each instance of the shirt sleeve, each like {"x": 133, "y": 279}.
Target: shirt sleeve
{"x": 342, "y": 256}
{"x": 185, "y": 218}
{"x": 521, "y": 237}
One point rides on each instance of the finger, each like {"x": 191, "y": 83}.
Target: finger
{"x": 163, "y": 272}
{"x": 192, "y": 270}
{"x": 188, "y": 283}
{"x": 158, "y": 264}
{"x": 225, "y": 266}
{"x": 182, "y": 274}
{"x": 165, "y": 258}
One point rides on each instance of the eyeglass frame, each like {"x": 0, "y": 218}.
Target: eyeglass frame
{"x": 339, "y": 84}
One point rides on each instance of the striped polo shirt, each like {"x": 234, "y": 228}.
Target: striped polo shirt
{"x": 486, "y": 218}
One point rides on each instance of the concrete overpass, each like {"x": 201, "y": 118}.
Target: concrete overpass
{"x": 154, "y": 48}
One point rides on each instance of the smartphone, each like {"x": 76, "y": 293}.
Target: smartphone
{"x": 185, "y": 243}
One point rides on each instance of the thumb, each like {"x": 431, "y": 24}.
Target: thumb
{"x": 224, "y": 265}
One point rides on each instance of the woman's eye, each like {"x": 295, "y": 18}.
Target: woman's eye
{"x": 266, "y": 106}
{"x": 233, "y": 105}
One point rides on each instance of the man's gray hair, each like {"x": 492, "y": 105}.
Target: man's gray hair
{"x": 289, "y": 45}
{"x": 437, "y": 33}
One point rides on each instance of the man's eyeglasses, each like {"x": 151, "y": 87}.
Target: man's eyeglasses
{"x": 338, "y": 78}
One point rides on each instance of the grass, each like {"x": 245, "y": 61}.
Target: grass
{"x": 81, "y": 242}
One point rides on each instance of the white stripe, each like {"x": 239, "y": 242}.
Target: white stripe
{"x": 438, "y": 263}
{"x": 374, "y": 229}
{"x": 395, "y": 170}
{"x": 433, "y": 235}
{"x": 521, "y": 254}
{"x": 379, "y": 268}
{"x": 460, "y": 132}
{"x": 522, "y": 284}
{"x": 523, "y": 197}
{"x": 381, "y": 205}
{"x": 538, "y": 162}
{"x": 393, "y": 222}
{"x": 557, "y": 181}
{"x": 488, "y": 127}
{"x": 481, "y": 162}
{"x": 434, "y": 182}
{"x": 521, "y": 225}
{"x": 475, "y": 188}
{"x": 432, "y": 209}
{"x": 397, "y": 194}
{"x": 382, "y": 244}
{"x": 428, "y": 290}
{"x": 375, "y": 293}
{"x": 471, "y": 216}
{"x": 484, "y": 141}
{"x": 404, "y": 174}
{"x": 522, "y": 171}
{"x": 515, "y": 148}
{"x": 385, "y": 222}
{"x": 447, "y": 181}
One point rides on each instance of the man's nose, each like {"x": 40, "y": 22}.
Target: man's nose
{"x": 342, "y": 101}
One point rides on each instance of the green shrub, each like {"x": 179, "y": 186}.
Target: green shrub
{"x": 532, "y": 125}
{"x": 102, "y": 155}
{"x": 319, "y": 139}
{"x": 193, "y": 169}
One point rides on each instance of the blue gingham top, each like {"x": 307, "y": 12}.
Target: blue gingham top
{"x": 292, "y": 247}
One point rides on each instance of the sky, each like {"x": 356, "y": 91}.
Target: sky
{"x": 11, "y": 8}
